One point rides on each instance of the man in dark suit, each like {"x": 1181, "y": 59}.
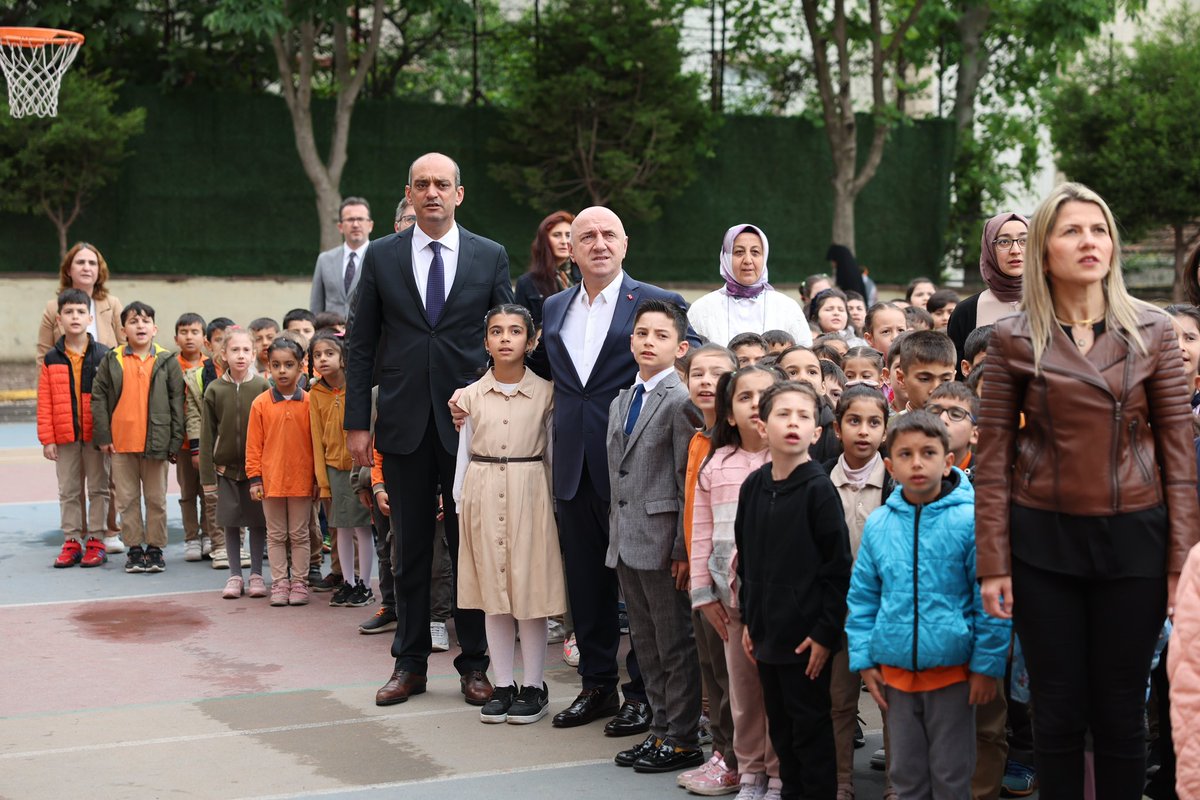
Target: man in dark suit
{"x": 585, "y": 350}
{"x": 420, "y": 308}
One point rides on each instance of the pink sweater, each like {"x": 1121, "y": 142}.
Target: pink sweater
{"x": 714, "y": 553}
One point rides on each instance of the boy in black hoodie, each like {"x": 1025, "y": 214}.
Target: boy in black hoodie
{"x": 794, "y": 572}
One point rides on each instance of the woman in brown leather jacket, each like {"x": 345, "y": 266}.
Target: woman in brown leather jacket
{"x": 1085, "y": 515}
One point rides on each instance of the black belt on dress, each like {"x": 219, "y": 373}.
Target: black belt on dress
{"x": 505, "y": 459}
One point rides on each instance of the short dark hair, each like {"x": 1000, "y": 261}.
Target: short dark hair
{"x": 831, "y": 370}
{"x": 927, "y": 347}
{"x": 73, "y": 297}
{"x": 914, "y": 314}
{"x": 853, "y": 295}
{"x": 354, "y": 201}
{"x": 976, "y": 377}
{"x": 262, "y": 323}
{"x": 956, "y": 390}
{"x": 977, "y": 342}
{"x": 218, "y": 324}
{"x": 827, "y": 354}
{"x": 919, "y": 421}
{"x": 299, "y": 315}
{"x": 861, "y": 392}
{"x": 914, "y": 283}
{"x": 328, "y": 319}
{"x": 743, "y": 339}
{"x": 767, "y": 399}
{"x": 188, "y": 318}
{"x": 896, "y": 349}
{"x": 136, "y": 307}
{"x": 940, "y": 299}
{"x": 776, "y": 336}
{"x": 678, "y": 316}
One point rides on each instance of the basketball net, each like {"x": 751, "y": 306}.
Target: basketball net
{"x": 34, "y": 62}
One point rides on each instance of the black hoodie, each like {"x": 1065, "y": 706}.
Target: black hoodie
{"x": 793, "y": 562}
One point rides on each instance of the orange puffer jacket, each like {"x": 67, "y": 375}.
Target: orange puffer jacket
{"x": 58, "y": 419}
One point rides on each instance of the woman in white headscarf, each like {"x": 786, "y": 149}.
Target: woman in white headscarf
{"x": 746, "y": 303}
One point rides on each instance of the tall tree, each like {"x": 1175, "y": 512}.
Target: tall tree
{"x": 300, "y": 33}
{"x": 55, "y": 166}
{"x": 1124, "y": 123}
{"x": 600, "y": 110}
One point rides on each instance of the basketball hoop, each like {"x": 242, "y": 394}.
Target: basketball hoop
{"x": 34, "y": 61}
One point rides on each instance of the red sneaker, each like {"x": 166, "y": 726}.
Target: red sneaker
{"x": 72, "y": 551}
{"x": 96, "y": 553}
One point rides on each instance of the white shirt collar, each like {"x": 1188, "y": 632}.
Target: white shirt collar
{"x": 358, "y": 253}
{"x": 654, "y": 380}
{"x": 421, "y": 239}
{"x": 610, "y": 293}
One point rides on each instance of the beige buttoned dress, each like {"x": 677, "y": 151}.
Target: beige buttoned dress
{"x": 509, "y": 560}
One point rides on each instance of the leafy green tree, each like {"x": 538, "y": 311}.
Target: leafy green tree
{"x": 1124, "y": 123}
{"x": 600, "y": 110}
{"x": 54, "y": 166}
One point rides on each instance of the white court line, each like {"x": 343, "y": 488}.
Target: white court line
{"x": 437, "y": 779}
{"x": 203, "y": 737}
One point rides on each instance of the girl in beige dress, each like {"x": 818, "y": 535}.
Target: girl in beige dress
{"x": 508, "y": 562}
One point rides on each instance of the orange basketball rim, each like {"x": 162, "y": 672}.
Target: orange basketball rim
{"x": 34, "y": 61}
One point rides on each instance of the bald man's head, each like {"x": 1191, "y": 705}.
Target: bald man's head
{"x": 435, "y": 191}
{"x": 598, "y": 246}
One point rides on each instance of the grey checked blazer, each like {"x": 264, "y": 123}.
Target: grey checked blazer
{"x": 328, "y": 286}
{"x": 646, "y": 472}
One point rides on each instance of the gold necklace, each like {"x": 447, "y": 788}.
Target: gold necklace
{"x": 1079, "y": 323}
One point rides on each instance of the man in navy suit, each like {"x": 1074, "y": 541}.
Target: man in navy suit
{"x": 585, "y": 350}
{"x": 421, "y": 304}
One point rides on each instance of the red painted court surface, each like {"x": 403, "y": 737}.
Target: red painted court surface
{"x": 148, "y": 686}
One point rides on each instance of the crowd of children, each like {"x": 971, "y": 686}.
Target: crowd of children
{"x": 788, "y": 523}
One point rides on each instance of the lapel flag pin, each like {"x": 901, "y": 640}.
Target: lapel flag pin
{"x": 629, "y": 297}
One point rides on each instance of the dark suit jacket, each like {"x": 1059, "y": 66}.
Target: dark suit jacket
{"x": 581, "y": 411}
{"x": 420, "y": 365}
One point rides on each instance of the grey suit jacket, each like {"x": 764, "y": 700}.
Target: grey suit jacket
{"x": 646, "y": 472}
{"x": 328, "y": 286}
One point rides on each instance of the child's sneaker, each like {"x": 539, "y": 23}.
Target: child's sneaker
{"x": 752, "y": 787}
{"x": 193, "y": 550}
{"x": 220, "y": 559}
{"x": 711, "y": 780}
{"x": 154, "y": 560}
{"x": 530, "y": 705}
{"x": 205, "y": 546}
{"x": 571, "y": 651}
{"x": 439, "y": 637}
{"x": 1019, "y": 780}
{"x": 497, "y": 706}
{"x": 233, "y": 588}
{"x": 774, "y": 790}
{"x": 279, "y": 592}
{"x": 683, "y": 778}
{"x": 298, "y": 596}
{"x": 314, "y": 577}
{"x": 703, "y": 731}
{"x": 361, "y": 596}
{"x": 96, "y": 554}
{"x": 113, "y": 544}
{"x": 72, "y": 554}
{"x": 342, "y": 595}
{"x": 327, "y": 584}
{"x": 258, "y": 587}
{"x": 135, "y": 559}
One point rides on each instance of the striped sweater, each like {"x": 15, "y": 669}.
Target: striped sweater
{"x": 713, "y": 552}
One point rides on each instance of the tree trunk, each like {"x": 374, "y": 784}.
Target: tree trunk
{"x": 843, "y": 214}
{"x": 1178, "y": 293}
{"x": 973, "y": 64}
{"x": 62, "y": 228}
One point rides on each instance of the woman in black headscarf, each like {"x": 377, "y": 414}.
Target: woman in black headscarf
{"x": 847, "y": 273}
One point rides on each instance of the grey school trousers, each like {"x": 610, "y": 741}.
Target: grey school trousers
{"x": 932, "y": 741}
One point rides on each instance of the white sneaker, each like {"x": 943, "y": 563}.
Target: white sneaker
{"x": 205, "y": 545}
{"x": 555, "y": 631}
{"x": 113, "y": 545}
{"x": 571, "y": 651}
{"x": 753, "y": 787}
{"x": 192, "y": 550}
{"x": 220, "y": 559}
{"x": 774, "y": 790}
{"x": 440, "y": 637}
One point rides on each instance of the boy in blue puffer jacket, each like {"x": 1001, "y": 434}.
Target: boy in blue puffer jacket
{"x": 916, "y": 627}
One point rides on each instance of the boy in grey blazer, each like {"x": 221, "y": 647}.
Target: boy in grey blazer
{"x": 649, "y": 427}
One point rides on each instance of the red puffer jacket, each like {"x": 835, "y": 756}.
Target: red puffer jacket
{"x": 59, "y": 421}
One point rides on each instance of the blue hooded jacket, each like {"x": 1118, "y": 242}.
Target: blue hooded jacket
{"x": 914, "y": 602}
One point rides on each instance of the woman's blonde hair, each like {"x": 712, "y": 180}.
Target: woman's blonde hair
{"x": 99, "y": 291}
{"x": 1121, "y": 308}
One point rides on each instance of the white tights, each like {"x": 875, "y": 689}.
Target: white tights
{"x": 502, "y": 634}
{"x": 346, "y": 539}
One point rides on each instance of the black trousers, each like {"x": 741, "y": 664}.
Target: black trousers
{"x": 412, "y": 482}
{"x": 801, "y": 729}
{"x": 383, "y": 550}
{"x": 592, "y": 591}
{"x": 1088, "y": 645}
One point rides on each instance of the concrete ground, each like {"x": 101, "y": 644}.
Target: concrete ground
{"x": 147, "y": 686}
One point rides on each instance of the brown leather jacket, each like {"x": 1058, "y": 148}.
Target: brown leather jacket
{"x": 1104, "y": 434}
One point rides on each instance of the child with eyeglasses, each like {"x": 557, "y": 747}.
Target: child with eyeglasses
{"x": 958, "y": 407}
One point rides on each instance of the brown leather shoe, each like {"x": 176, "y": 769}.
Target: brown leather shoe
{"x": 401, "y": 686}
{"x": 476, "y": 686}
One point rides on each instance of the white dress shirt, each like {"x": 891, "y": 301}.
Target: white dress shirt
{"x": 358, "y": 258}
{"x": 649, "y": 386}
{"x": 586, "y": 325}
{"x": 422, "y": 258}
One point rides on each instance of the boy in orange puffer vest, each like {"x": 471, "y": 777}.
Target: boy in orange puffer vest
{"x": 64, "y": 417}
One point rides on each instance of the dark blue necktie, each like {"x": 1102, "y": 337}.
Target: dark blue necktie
{"x": 635, "y": 408}
{"x": 348, "y": 279}
{"x": 435, "y": 287}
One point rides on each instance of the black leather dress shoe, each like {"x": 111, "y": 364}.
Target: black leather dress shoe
{"x": 591, "y": 704}
{"x": 632, "y": 719}
{"x": 627, "y": 758}
{"x": 669, "y": 758}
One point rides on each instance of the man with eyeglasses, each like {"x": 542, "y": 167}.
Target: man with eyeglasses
{"x": 336, "y": 275}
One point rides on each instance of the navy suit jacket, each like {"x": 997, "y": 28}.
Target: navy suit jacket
{"x": 420, "y": 365}
{"x": 581, "y": 410}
